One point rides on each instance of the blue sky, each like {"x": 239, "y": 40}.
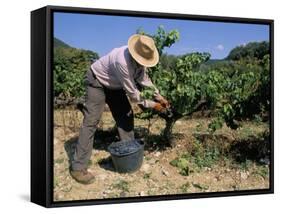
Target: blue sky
{"x": 101, "y": 33}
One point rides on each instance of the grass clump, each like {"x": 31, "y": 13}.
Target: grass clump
{"x": 185, "y": 187}
{"x": 199, "y": 157}
{"x": 200, "y": 186}
{"x": 182, "y": 164}
{"x": 121, "y": 185}
{"x": 147, "y": 175}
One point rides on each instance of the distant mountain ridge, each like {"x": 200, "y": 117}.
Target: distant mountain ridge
{"x": 60, "y": 43}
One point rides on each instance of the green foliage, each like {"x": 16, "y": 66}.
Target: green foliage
{"x": 70, "y": 66}
{"x": 162, "y": 38}
{"x": 233, "y": 90}
{"x": 262, "y": 171}
{"x": 215, "y": 124}
{"x": 148, "y": 93}
{"x": 182, "y": 165}
{"x": 243, "y": 91}
{"x": 200, "y": 186}
{"x": 185, "y": 187}
{"x": 205, "y": 155}
{"x": 200, "y": 156}
{"x": 168, "y": 62}
{"x": 121, "y": 185}
{"x": 181, "y": 86}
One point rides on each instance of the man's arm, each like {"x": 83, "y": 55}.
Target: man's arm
{"x": 129, "y": 86}
{"x": 144, "y": 80}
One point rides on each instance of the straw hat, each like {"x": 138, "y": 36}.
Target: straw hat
{"x": 143, "y": 50}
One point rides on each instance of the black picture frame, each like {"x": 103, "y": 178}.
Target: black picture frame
{"x": 42, "y": 105}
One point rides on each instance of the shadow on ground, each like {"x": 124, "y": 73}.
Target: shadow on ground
{"x": 254, "y": 148}
{"x": 105, "y": 163}
{"x": 103, "y": 138}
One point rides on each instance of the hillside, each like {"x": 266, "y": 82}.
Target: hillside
{"x": 59, "y": 43}
{"x": 251, "y": 50}
{"x": 70, "y": 66}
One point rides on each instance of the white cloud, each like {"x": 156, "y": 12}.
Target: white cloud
{"x": 220, "y": 47}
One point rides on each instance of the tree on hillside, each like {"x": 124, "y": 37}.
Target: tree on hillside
{"x": 251, "y": 50}
{"x": 70, "y": 65}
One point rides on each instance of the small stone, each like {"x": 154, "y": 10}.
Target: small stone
{"x": 106, "y": 192}
{"x": 142, "y": 193}
{"x": 123, "y": 194}
{"x": 151, "y": 161}
{"x": 60, "y": 196}
{"x": 157, "y": 154}
{"x": 145, "y": 168}
{"x": 244, "y": 175}
{"x": 164, "y": 172}
{"x": 219, "y": 177}
{"x": 265, "y": 161}
{"x": 91, "y": 170}
{"x": 208, "y": 168}
{"x": 56, "y": 141}
{"x": 178, "y": 122}
{"x": 102, "y": 176}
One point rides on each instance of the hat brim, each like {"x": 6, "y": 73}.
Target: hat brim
{"x": 141, "y": 60}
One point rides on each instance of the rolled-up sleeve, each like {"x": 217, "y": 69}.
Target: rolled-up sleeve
{"x": 129, "y": 86}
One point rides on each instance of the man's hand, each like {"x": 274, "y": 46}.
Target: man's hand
{"x": 158, "y": 107}
{"x": 162, "y": 101}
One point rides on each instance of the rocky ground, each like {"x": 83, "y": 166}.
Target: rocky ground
{"x": 237, "y": 169}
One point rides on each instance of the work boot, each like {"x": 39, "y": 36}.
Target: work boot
{"x": 82, "y": 176}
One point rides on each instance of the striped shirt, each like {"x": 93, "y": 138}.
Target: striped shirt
{"x": 118, "y": 70}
